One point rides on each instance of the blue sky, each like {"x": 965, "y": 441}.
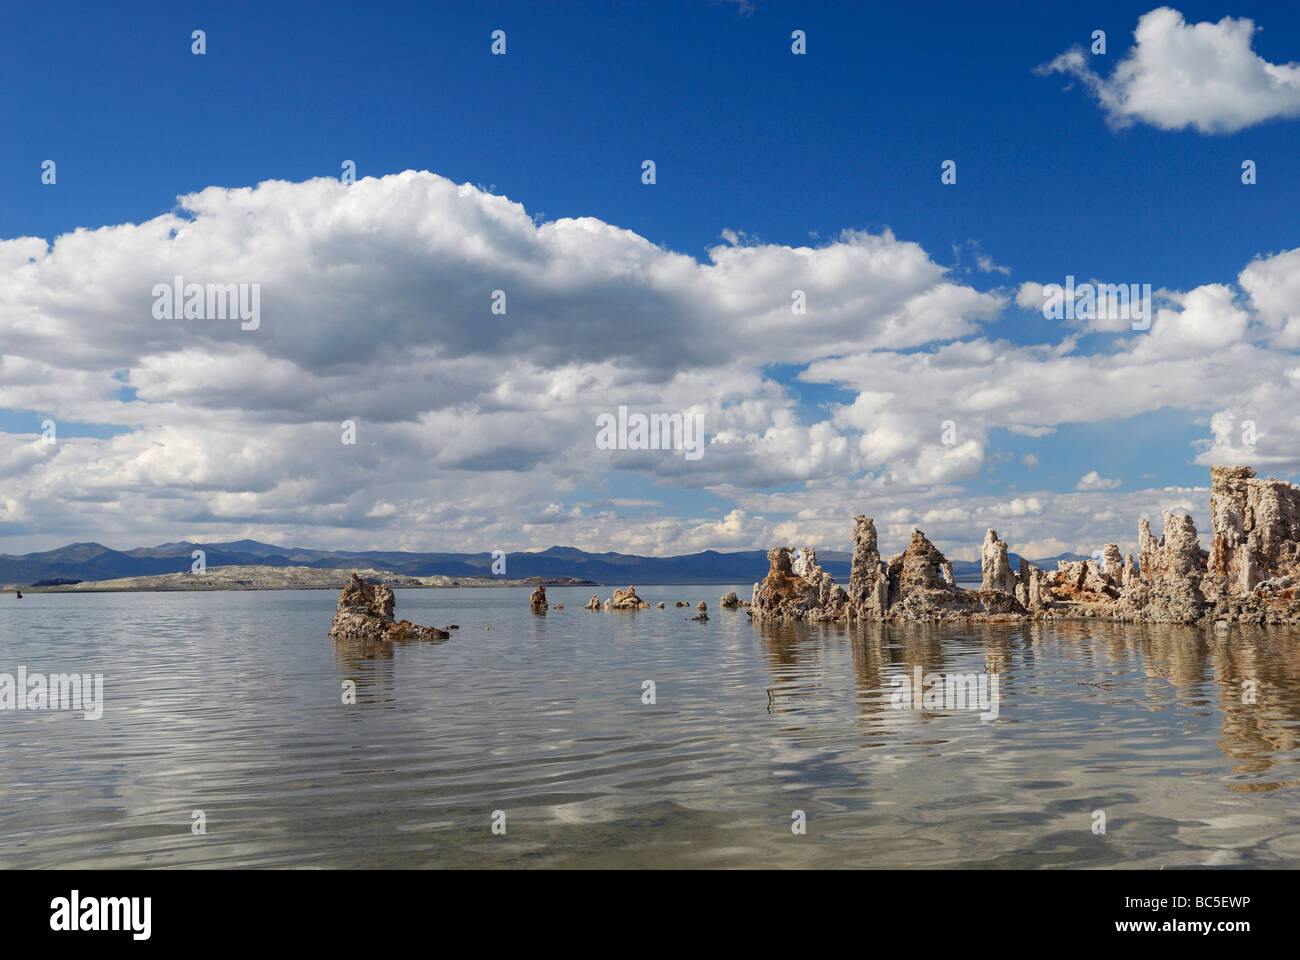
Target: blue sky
{"x": 746, "y": 135}
{"x": 781, "y": 151}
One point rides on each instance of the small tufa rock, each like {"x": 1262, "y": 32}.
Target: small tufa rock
{"x": 537, "y": 602}
{"x": 1112, "y": 564}
{"x": 1031, "y": 586}
{"x": 730, "y": 601}
{"x": 593, "y": 603}
{"x": 365, "y": 613}
{"x": 628, "y": 600}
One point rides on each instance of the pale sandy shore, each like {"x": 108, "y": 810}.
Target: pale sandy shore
{"x": 280, "y": 578}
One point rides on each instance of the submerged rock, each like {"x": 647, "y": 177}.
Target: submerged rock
{"x": 365, "y": 612}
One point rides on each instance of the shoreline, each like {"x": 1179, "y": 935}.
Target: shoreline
{"x": 217, "y": 579}
{"x": 192, "y": 584}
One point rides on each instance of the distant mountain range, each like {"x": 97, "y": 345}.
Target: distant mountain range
{"x": 94, "y": 561}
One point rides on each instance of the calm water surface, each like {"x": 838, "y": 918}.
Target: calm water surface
{"x": 231, "y": 703}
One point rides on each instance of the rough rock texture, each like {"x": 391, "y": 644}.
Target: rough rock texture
{"x": 1176, "y": 557}
{"x": 919, "y": 567}
{"x": 1256, "y": 525}
{"x": 628, "y": 600}
{"x": 537, "y": 602}
{"x": 920, "y": 590}
{"x": 915, "y": 585}
{"x": 1251, "y": 574}
{"x": 1253, "y": 568}
{"x": 730, "y": 601}
{"x": 869, "y": 575}
{"x": 1031, "y": 583}
{"x": 784, "y": 594}
{"x": 1106, "y": 577}
{"x": 593, "y": 603}
{"x": 365, "y": 612}
{"x": 1112, "y": 564}
{"x": 1168, "y": 589}
{"x": 995, "y": 565}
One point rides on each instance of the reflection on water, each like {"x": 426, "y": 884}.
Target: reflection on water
{"x": 234, "y": 704}
{"x": 1250, "y": 680}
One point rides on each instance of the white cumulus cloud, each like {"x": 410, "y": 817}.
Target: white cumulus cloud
{"x": 1179, "y": 74}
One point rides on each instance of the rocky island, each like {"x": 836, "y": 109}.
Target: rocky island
{"x": 1250, "y": 574}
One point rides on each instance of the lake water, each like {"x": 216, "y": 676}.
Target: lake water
{"x": 231, "y": 703}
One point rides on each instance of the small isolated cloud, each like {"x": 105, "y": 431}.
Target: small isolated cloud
{"x": 1030, "y": 460}
{"x": 1031, "y": 296}
{"x": 743, "y": 7}
{"x": 1094, "y": 481}
{"x": 1177, "y": 75}
{"x": 1031, "y": 431}
{"x": 983, "y": 261}
{"x": 986, "y": 265}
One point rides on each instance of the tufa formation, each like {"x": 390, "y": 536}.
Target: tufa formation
{"x": 365, "y": 613}
{"x": 1250, "y": 574}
